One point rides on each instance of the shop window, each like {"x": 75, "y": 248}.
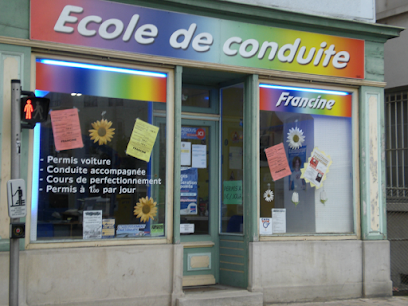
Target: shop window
{"x": 306, "y": 173}
{"x": 99, "y": 164}
{"x": 232, "y": 214}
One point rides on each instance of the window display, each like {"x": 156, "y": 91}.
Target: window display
{"x": 232, "y": 169}
{"x": 99, "y": 164}
{"x": 306, "y": 173}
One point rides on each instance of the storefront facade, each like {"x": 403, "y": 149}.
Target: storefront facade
{"x": 191, "y": 147}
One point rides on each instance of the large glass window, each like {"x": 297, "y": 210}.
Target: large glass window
{"x": 306, "y": 173}
{"x": 232, "y": 174}
{"x": 99, "y": 166}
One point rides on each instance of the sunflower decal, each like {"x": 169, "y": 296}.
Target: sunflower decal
{"x": 101, "y": 131}
{"x": 145, "y": 209}
{"x": 295, "y": 138}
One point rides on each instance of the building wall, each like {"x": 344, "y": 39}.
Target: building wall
{"x": 127, "y": 275}
{"x": 362, "y": 10}
{"x": 296, "y": 271}
{"x": 395, "y": 13}
{"x": 14, "y": 18}
{"x": 150, "y": 275}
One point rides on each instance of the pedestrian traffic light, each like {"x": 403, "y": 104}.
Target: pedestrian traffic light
{"x": 34, "y": 109}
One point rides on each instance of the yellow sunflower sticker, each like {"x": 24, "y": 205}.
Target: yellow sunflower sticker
{"x": 101, "y": 131}
{"x": 145, "y": 209}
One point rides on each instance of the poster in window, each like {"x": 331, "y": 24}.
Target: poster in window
{"x": 188, "y": 191}
{"x": 92, "y": 224}
{"x": 297, "y": 157}
{"x": 199, "y": 153}
{"x": 66, "y": 129}
{"x": 277, "y": 161}
{"x": 142, "y": 140}
{"x": 185, "y": 153}
{"x": 316, "y": 169}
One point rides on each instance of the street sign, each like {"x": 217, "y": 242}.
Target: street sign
{"x": 34, "y": 109}
{"x": 16, "y": 197}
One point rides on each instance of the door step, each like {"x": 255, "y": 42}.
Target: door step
{"x": 220, "y": 296}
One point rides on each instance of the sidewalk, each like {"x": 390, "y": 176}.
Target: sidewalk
{"x": 391, "y": 301}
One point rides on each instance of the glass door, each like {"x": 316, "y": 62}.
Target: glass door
{"x": 199, "y": 201}
{"x": 233, "y": 244}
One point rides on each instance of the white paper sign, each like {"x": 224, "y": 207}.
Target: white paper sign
{"x": 265, "y": 226}
{"x": 92, "y": 226}
{"x": 16, "y": 198}
{"x": 187, "y": 228}
{"x": 278, "y": 220}
{"x": 199, "y": 156}
{"x": 185, "y": 153}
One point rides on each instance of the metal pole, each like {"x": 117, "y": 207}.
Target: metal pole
{"x": 15, "y": 174}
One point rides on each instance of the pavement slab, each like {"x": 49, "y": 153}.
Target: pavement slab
{"x": 390, "y": 301}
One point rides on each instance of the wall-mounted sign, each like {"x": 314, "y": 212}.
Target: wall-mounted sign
{"x": 122, "y": 27}
{"x": 16, "y": 198}
{"x": 304, "y": 100}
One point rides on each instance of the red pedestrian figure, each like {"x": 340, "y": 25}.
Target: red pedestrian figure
{"x": 28, "y": 109}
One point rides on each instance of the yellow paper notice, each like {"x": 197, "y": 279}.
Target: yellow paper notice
{"x": 142, "y": 140}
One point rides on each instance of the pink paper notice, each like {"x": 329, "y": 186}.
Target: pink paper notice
{"x": 66, "y": 129}
{"x": 277, "y": 161}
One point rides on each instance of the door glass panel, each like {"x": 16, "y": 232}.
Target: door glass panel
{"x": 194, "y": 191}
{"x": 195, "y": 97}
{"x": 232, "y": 159}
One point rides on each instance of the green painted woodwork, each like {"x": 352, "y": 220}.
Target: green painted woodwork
{"x": 251, "y": 156}
{"x": 177, "y": 152}
{"x": 214, "y": 265}
{"x": 374, "y": 61}
{"x": 212, "y": 166}
{"x": 371, "y": 169}
{"x": 234, "y": 260}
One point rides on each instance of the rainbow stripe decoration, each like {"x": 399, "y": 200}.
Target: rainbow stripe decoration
{"x": 101, "y": 81}
{"x": 304, "y": 100}
{"x": 129, "y": 28}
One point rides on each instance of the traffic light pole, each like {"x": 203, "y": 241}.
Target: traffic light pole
{"x": 15, "y": 174}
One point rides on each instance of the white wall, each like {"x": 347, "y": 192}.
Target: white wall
{"x": 116, "y": 275}
{"x": 395, "y": 13}
{"x": 388, "y": 7}
{"x": 361, "y": 10}
{"x": 300, "y": 271}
